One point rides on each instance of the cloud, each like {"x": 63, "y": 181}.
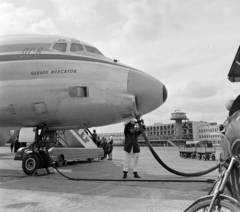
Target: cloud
{"x": 78, "y": 12}
{"x": 199, "y": 90}
{"x": 143, "y": 21}
{"x": 188, "y": 45}
{"x": 43, "y": 26}
{"x": 20, "y": 20}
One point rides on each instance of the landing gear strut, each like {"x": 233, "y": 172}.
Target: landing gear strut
{"x": 36, "y": 156}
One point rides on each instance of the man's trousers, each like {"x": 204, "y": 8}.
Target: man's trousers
{"x": 128, "y": 159}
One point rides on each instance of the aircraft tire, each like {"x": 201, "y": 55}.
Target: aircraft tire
{"x": 31, "y": 163}
{"x": 46, "y": 158}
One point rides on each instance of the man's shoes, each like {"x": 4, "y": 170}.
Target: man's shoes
{"x": 136, "y": 175}
{"x": 124, "y": 174}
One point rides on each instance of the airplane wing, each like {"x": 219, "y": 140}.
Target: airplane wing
{"x": 234, "y": 73}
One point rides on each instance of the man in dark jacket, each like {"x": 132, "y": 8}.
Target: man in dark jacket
{"x": 131, "y": 148}
{"x": 94, "y": 137}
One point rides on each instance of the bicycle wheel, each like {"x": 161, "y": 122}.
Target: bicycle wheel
{"x": 222, "y": 205}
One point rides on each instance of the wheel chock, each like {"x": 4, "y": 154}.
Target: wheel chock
{"x": 44, "y": 171}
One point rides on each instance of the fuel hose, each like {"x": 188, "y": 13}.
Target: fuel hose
{"x": 155, "y": 155}
{"x": 133, "y": 180}
{"x": 195, "y": 174}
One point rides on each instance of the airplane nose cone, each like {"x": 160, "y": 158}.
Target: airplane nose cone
{"x": 150, "y": 93}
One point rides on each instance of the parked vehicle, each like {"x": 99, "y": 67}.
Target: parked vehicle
{"x": 198, "y": 150}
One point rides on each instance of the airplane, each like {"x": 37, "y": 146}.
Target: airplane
{"x": 62, "y": 83}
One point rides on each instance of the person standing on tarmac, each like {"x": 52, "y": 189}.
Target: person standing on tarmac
{"x": 16, "y": 144}
{"x": 11, "y": 146}
{"x": 104, "y": 146}
{"x": 131, "y": 147}
{"x": 94, "y": 137}
{"x": 110, "y": 148}
{"x": 98, "y": 141}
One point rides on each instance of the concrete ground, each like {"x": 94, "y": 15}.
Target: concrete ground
{"x": 102, "y": 188}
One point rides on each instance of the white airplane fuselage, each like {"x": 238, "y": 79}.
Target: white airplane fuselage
{"x": 42, "y": 83}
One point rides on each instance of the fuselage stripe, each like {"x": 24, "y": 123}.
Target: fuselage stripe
{"x": 20, "y": 57}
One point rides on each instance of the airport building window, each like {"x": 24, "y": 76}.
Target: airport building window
{"x": 77, "y": 91}
{"x": 92, "y": 50}
{"x": 60, "y": 47}
{"x": 75, "y": 47}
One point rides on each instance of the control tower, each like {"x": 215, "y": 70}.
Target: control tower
{"x": 178, "y": 116}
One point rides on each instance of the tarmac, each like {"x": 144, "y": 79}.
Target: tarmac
{"x": 99, "y": 186}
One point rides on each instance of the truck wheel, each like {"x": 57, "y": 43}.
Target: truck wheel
{"x": 205, "y": 157}
{"x": 208, "y": 157}
{"x": 213, "y": 157}
{"x": 60, "y": 161}
{"x": 31, "y": 163}
{"x": 90, "y": 160}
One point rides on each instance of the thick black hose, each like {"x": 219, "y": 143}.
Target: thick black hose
{"x": 158, "y": 159}
{"x": 155, "y": 155}
{"x": 132, "y": 180}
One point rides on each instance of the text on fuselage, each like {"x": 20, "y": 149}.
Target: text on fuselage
{"x": 63, "y": 71}
{"x": 28, "y": 52}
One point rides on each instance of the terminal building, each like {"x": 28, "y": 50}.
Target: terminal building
{"x": 175, "y": 134}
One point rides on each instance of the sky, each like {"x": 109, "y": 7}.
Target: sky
{"x": 189, "y": 45}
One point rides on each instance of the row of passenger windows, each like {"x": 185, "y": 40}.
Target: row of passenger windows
{"x": 75, "y": 47}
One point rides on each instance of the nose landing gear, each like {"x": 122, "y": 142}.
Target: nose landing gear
{"x": 35, "y": 157}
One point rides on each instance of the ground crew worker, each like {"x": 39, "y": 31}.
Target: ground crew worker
{"x": 110, "y": 148}
{"x": 94, "y": 137}
{"x": 131, "y": 147}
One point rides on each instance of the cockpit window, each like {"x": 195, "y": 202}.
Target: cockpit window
{"x": 60, "y": 47}
{"x": 75, "y": 47}
{"x": 93, "y": 50}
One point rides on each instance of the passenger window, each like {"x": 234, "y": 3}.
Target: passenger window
{"x": 78, "y": 91}
{"x": 75, "y": 47}
{"x": 60, "y": 47}
{"x": 93, "y": 50}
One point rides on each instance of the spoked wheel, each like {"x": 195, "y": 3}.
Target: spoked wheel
{"x": 200, "y": 157}
{"x": 213, "y": 157}
{"x": 208, "y": 157}
{"x": 60, "y": 161}
{"x": 205, "y": 157}
{"x": 31, "y": 163}
{"x": 90, "y": 160}
{"x": 222, "y": 206}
